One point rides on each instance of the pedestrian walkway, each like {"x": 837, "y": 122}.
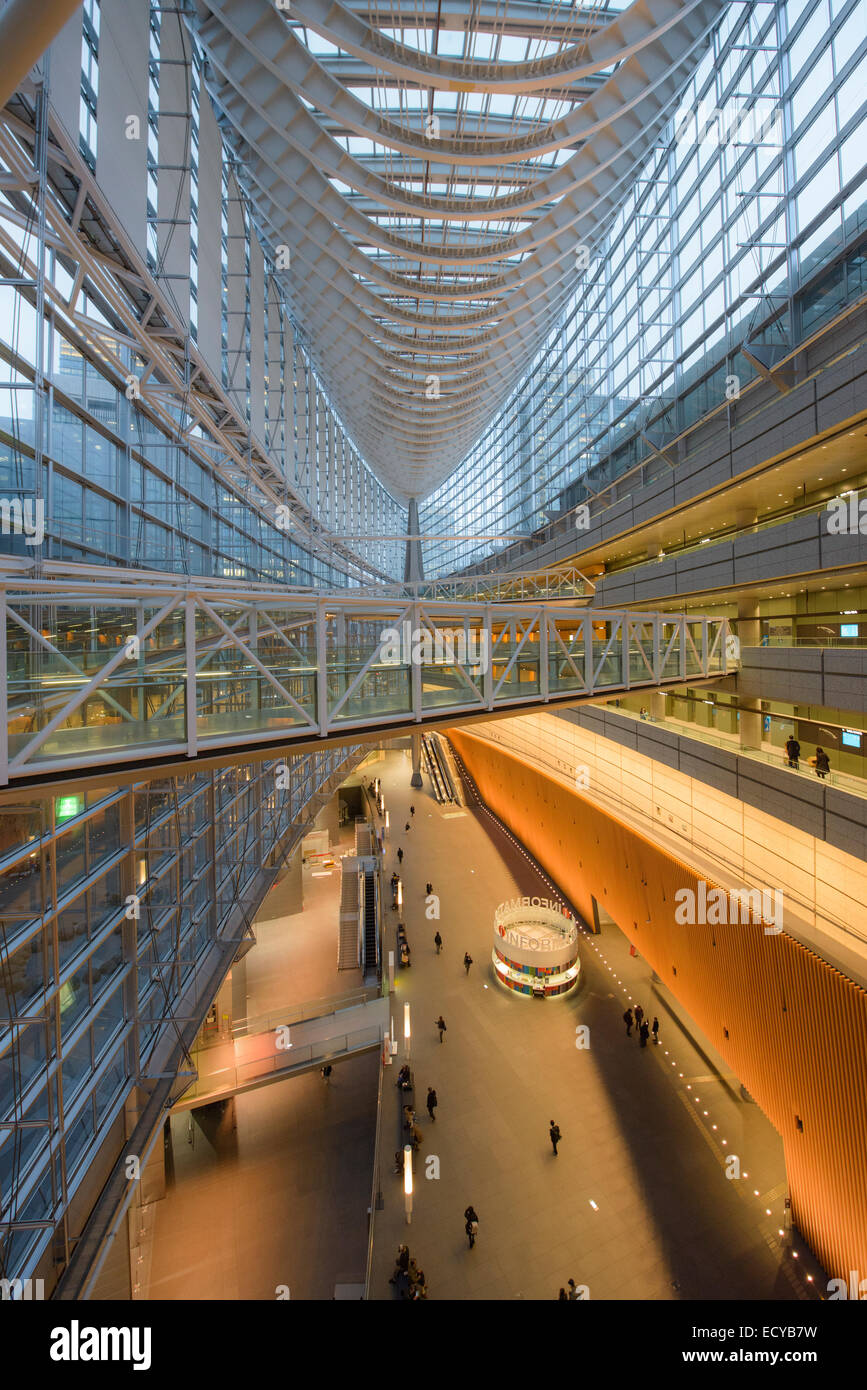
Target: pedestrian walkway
{"x": 636, "y": 1204}
{"x": 295, "y": 956}
{"x": 269, "y": 1192}
{"x": 769, "y": 753}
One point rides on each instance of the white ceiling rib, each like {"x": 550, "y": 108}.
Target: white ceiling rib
{"x": 448, "y": 257}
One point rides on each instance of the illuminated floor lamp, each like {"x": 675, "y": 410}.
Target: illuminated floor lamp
{"x": 407, "y": 1181}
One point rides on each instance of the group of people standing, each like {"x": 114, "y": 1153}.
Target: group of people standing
{"x": 637, "y": 1020}
{"x": 571, "y": 1296}
{"x": 407, "y": 1275}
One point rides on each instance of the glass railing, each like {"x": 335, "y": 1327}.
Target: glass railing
{"x": 214, "y": 672}
{"x": 730, "y": 743}
{"x": 674, "y": 552}
{"x": 223, "y": 1081}
{"x": 303, "y": 1012}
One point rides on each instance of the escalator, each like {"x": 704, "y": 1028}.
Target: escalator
{"x": 438, "y": 769}
{"x": 433, "y": 770}
{"x": 371, "y": 934}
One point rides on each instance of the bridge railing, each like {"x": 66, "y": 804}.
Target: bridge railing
{"x": 105, "y": 673}
{"x": 258, "y": 1058}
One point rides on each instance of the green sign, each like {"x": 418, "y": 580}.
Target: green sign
{"x": 67, "y": 806}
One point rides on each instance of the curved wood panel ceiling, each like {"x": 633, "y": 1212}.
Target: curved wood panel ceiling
{"x": 438, "y": 249}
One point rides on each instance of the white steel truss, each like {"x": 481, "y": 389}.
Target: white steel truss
{"x": 117, "y": 673}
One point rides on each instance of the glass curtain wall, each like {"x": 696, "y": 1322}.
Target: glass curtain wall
{"x": 117, "y": 487}
{"x": 758, "y": 186}
{"x": 111, "y": 903}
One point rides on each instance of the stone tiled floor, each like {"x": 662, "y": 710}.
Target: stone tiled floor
{"x": 295, "y": 956}
{"x": 282, "y": 1198}
{"x": 666, "y": 1224}
{"x": 274, "y": 1190}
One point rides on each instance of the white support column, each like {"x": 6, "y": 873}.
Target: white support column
{"x": 253, "y": 644}
{"x": 488, "y": 675}
{"x": 415, "y": 780}
{"x": 415, "y": 666}
{"x": 191, "y": 701}
{"x": 624, "y": 650}
{"x": 587, "y": 634}
{"x": 321, "y": 671}
{"x": 312, "y": 455}
{"x": 543, "y": 653}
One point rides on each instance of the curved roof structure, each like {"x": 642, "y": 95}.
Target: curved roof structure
{"x": 435, "y": 183}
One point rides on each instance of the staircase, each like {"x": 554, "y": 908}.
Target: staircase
{"x": 348, "y": 932}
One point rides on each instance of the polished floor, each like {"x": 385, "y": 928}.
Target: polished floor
{"x": 267, "y": 1195}
{"x": 273, "y": 1189}
{"x": 636, "y": 1205}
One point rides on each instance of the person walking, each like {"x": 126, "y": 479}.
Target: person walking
{"x": 573, "y": 1292}
{"x": 326, "y": 1071}
{"x": 644, "y": 1033}
{"x": 655, "y": 1029}
{"x": 822, "y": 763}
{"x": 471, "y": 1225}
{"x": 441, "y": 1024}
{"x": 628, "y": 1020}
{"x": 438, "y": 942}
{"x": 555, "y": 1136}
{"x": 793, "y": 751}
{"x": 399, "y": 855}
{"x": 428, "y": 888}
{"x": 401, "y": 1264}
{"x": 432, "y": 1102}
{"x": 412, "y": 810}
{"x": 639, "y": 1016}
{"x": 468, "y": 960}
{"x": 561, "y": 1297}
{"x": 406, "y": 827}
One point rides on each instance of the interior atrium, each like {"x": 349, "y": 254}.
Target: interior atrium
{"x": 413, "y": 413}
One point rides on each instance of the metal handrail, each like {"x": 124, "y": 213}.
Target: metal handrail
{"x": 307, "y": 1012}
{"x": 842, "y": 781}
{"x": 376, "y": 1182}
{"x": 267, "y": 691}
